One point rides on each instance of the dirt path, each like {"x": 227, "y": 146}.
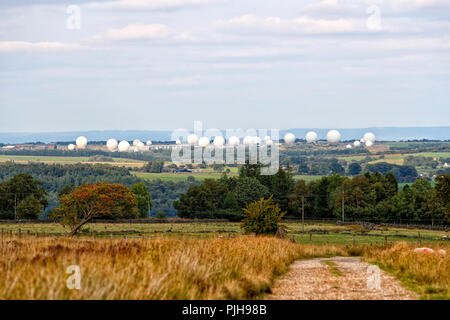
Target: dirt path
{"x": 339, "y": 278}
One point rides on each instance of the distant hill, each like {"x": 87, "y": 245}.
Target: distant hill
{"x": 381, "y": 133}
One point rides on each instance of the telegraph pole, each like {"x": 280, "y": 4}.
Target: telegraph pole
{"x": 343, "y": 210}
{"x": 15, "y": 206}
{"x": 303, "y": 213}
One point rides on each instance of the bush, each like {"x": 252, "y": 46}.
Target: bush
{"x": 262, "y": 217}
{"x": 160, "y": 215}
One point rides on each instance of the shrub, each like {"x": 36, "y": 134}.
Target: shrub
{"x": 262, "y": 217}
{"x": 160, "y": 215}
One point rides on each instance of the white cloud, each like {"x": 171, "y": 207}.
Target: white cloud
{"x": 148, "y": 4}
{"x": 139, "y": 32}
{"x": 357, "y": 6}
{"x": 23, "y": 46}
{"x": 253, "y": 24}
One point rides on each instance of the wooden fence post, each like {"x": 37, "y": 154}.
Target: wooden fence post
{"x": 420, "y": 238}
{"x": 385, "y": 240}
{"x": 310, "y": 238}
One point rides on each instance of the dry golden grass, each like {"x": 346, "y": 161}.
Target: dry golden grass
{"x": 426, "y": 273}
{"x": 159, "y": 268}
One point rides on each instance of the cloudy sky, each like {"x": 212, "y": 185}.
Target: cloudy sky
{"x": 161, "y": 64}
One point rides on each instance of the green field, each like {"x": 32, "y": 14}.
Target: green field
{"x": 306, "y": 178}
{"x": 4, "y": 158}
{"x": 169, "y": 176}
{"x": 336, "y": 234}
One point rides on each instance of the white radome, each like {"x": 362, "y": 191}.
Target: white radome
{"x": 112, "y": 144}
{"x": 357, "y": 143}
{"x": 149, "y": 142}
{"x": 349, "y": 146}
{"x": 311, "y": 137}
{"x": 333, "y": 136}
{"x": 362, "y": 140}
{"x": 124, "y": 146}
{"x": 81, "y": 142}
{"x": 248, "y": 140}
{"x": 192, "y": 139}
{"x": 140, "y": 146}
{"x": 233, "y": 141}
{"x": 256, "y": 140}
{"x": 267, "y": 138}
{"x": 369, "y": 144}
{"x": 219, "y": 141}
{"x": 135, "y": 142}
{"x": 289, "y": 138}
{"x": 369, "y": 136}
{"x": 178, "y": 142}
{"x": 71, "y": 147}
{"x": 203, "y": 142}
{"x": 269, "y": 142}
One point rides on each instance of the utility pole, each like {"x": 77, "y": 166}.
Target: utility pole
{"x": 343, "y": 200}
{"x": 15, "y": 206}
{"x": 303, "y": 213}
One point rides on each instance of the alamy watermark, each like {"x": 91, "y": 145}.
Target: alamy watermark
{"x": 373, "y": 278}
{"x": 237, "y": 147}
{"x": 74, "y": 280}
{"x": 373, "y": 22}
{"x": 73, "y": 21}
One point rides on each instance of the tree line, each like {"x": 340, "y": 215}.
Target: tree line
{"x": 368, "y": 196}
{"x": 55, "y": 177}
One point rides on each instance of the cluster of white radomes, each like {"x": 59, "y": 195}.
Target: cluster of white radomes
{"x": 333, "y": 136}
{"x": 220, "y": 141}
{"x": 368, "y": 140}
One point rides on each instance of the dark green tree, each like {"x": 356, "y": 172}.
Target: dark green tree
{"x": 143, "y": 198}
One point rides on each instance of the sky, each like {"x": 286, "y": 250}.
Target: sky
{"x": 161, "y": 64}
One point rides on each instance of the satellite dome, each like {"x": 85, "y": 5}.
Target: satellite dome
{"x": 112, "y": 144}
{"x": 124, "y": 146}
{"x": 149, "y": 142}
{"x": 203, "y": 142}
{"x": 248, "y": 140}
{"x": 369, "y": 136}
{"x": 269, "y": 142}
{"x": 357, "y": 143}
{"x": 349, "y": 146}
{"x": 267, "y": 138}
{"x": 256, "y": 140}
{"x": 233, "y": 141}
{"x": 140, "y": 146}
{"x": 369, "y": 144}
{"x": 178, "y": 142}
{"x": 135, "y": 142}
{"x": 192, "y": 139}
{"x": 311, "y": 137}
{"x": 289, "y": 138}
{"x": 71, "y": 147}
{"x": 362, "y": 140}
{"x": 333, "y": 136}
{"x": 81, "y": 142}
{"x": 219, "y": 141}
